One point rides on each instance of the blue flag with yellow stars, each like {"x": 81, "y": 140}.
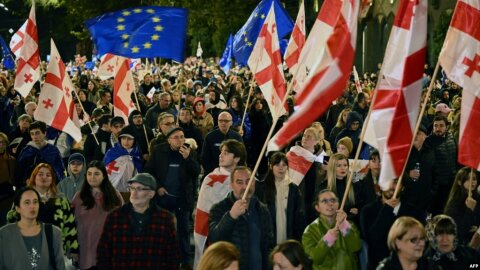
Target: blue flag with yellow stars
{"x": 7, "y": 59}
{"x": 246, "y": 37}
{"x": 225, "y": 62}
{"x": 148, "y": 31}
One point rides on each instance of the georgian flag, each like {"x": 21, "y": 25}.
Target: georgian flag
{"x": 215, "y": 188}
{"x": 297, "y": 41}
{"x": 106, "y": 69}
{"x": 55, "y": 103}
{"x": 395, "y": 112}
{"x": 123, "y": 87}
{"x": 460, "y": 58}
{"x": 265, "y": 62}
{"x": 335, "y": 34}
{"x": 299, "y": 162}
{"x": 28, "y": 68}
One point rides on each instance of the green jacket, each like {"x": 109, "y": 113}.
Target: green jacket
{"x": 341, "y": 256}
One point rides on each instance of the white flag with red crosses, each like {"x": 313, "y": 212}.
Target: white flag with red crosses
{"x": 28, "y": 67}
{"x": 123, "y": 88}
{"x": 460, "y": 58}
{"x": 55, "y": 103}
{"x": 397, "y": 105}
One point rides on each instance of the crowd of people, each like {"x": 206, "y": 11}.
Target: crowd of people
{"x": 132, "y": 194}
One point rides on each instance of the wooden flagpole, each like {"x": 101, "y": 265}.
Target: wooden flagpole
{"x": 89, "y": 124}
{"x": 419, "y": 120}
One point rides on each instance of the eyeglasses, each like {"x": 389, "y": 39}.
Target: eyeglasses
{"x": 416, "y": 240}
{"x": 132, "y": 189}
{"x": 331, "y": 200}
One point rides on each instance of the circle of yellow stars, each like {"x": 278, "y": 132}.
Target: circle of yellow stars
{"x": 247, "y": 41}
{"x": 125, "y": 36}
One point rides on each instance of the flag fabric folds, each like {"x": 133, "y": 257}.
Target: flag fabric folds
{"x": 245, "y": 38}
{"x": 55, "y": 103}
{"x": 331, "y": 71}
{"x": 148, "y": 31}
{"x": 123, "y": 87}
{"x": 7, "y": 59}
{"x": 28, "y": 67}
{"x": 265, "y": 62}
{"x": 460, "y": 58}
{"x": 299, "y": 162}
{"x": 17, "y": 40}
{"x": 106, "y": 69}
{"x": 297, "y": 41}
{"x": 225, "y": 62}
{"x": 397, "y": 105}
{"x": 215, "y": 188}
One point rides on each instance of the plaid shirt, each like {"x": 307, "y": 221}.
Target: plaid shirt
{"x": 155, "y": 248}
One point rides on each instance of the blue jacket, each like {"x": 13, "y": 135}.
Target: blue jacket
{"x": 31, "y": 156}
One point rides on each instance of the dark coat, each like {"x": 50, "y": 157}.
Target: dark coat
{"x": 222, "y": 227}
{"x": 93, "y": 151}
{"x": 465, "y": 256}
{"x": 158, "y": 165}
{"x": 211, "y": 149}
{"x": 375, "y": 221}
{"x": 296, "y": 221}
{"x": 392, "y": 263}
{"x": 31, "y": 156}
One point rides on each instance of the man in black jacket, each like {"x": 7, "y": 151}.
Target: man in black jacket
{"x": 376, "y": 219}
{"x": 175, "y": 167}
{"x": 95, "y": 149}
{"x": 244, "y": 223}
{"x": 439, "y": 163}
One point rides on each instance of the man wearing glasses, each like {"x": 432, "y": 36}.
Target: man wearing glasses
{"x": 211, "y": 150}
{"x": 144, "y": 236}
{"x": 175, "y": 167}
{"x": 165, "y": 122}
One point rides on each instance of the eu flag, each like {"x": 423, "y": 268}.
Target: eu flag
{"x": 148, "y": 31}
{"x": 225, "y": 62}
{"x": 7, "y": 58}
{"x": 246, "y": 37}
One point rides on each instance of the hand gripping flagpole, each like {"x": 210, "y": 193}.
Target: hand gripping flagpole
{"x": 419, "y": 120}
{"x": 89, "y": 124}
{"x": 359, "y": 149}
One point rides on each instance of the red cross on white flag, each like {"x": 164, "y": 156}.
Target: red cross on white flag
{"x": 394, "y": 115}
{"x": 28, "y": 68}
{"x": 122, "y": 89}
{"x": 106, "y": 69}
{"x": 266, "y": 64}
{"x": 330, "y": 70}
{"x": 460, "y": 58}
{"x": 297, "y": 41}
{"x": 56, "y": 104}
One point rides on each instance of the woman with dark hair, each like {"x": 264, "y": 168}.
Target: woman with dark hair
{"x": 87, "y": 104}
{"x": 93, "y": 91}
{"x": 54, "y": 207}
{"x": 25, "y": 243}
{"x": 290, "y": 255}
{"x": 237, "y": 109}
{"x": 261, "y": 122}
{"x": 91, "y": 205}
{"x": 445, "y": 252}
{"x": 283, "y": 199}
{"x": 462, "y": 206}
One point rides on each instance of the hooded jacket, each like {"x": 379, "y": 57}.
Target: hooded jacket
{"x": 72, "y": 184}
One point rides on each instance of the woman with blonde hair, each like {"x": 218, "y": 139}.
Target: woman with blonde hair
{"x": 337, "y": 177}
{"x": 322, "y": 142}
{"x": 54, "y": 207}
{"x": 341, "y": 124}
{"x": 220, "y": 256}
{"x": 406, "y": 241}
